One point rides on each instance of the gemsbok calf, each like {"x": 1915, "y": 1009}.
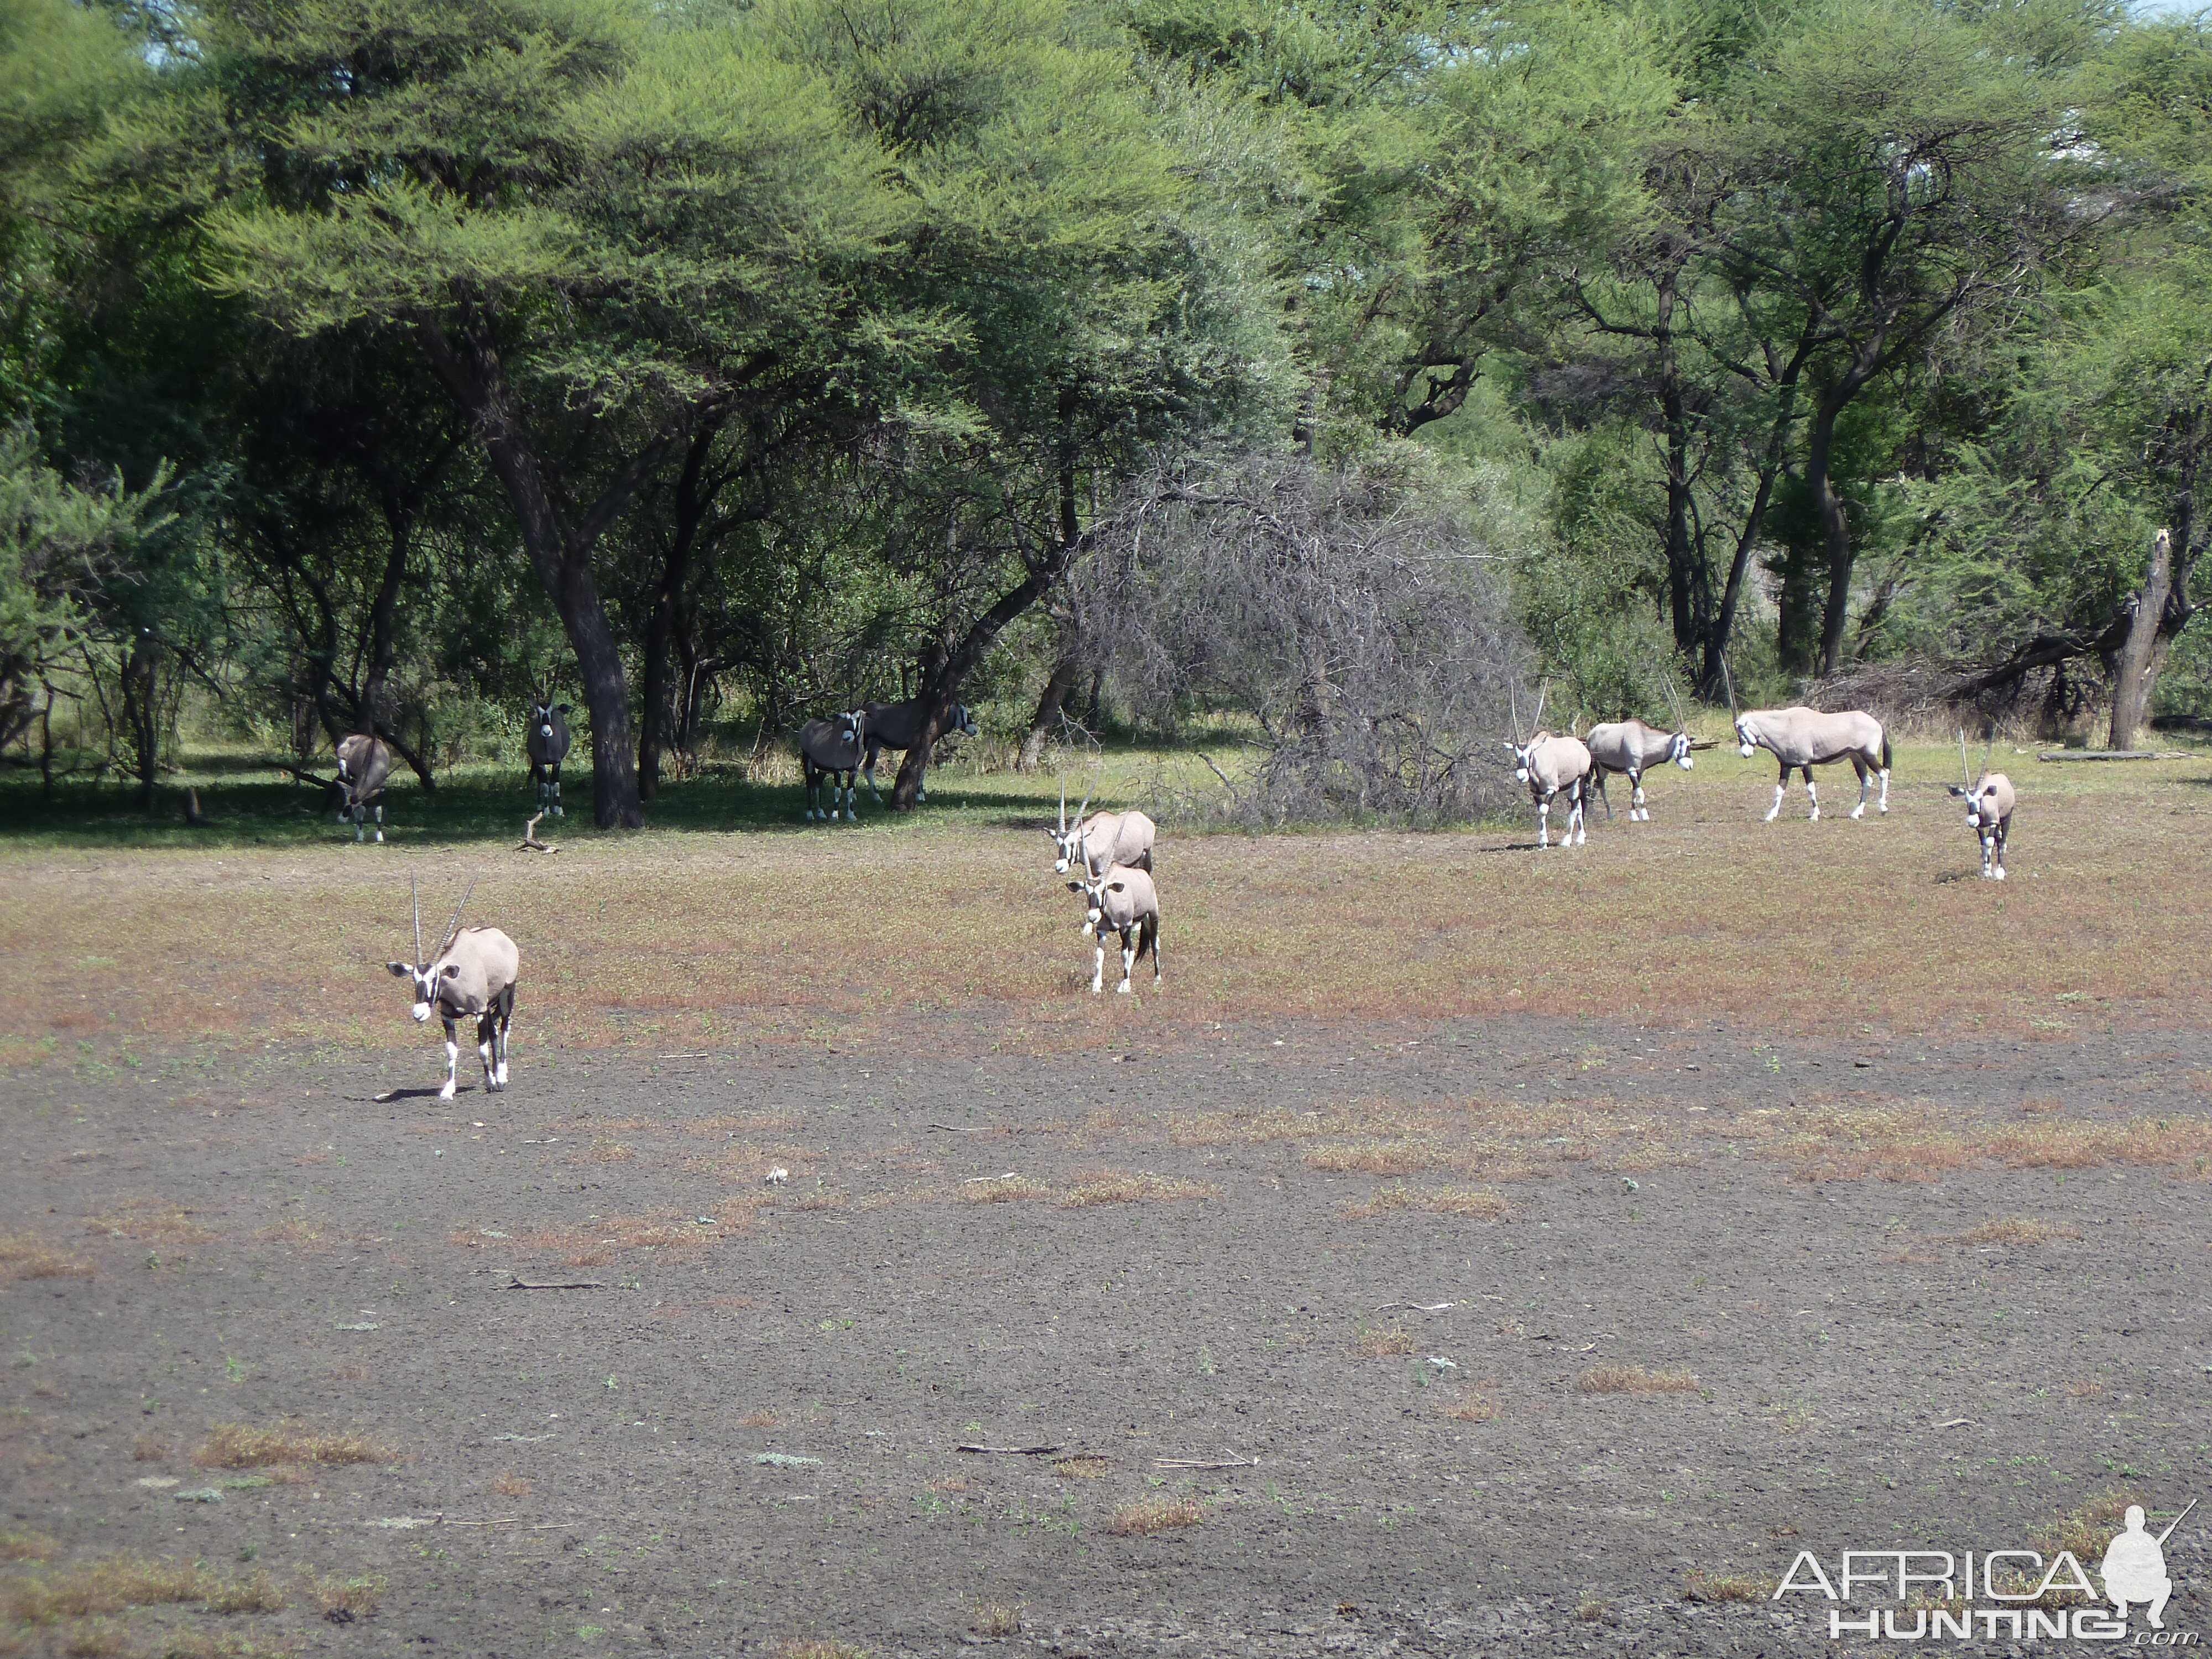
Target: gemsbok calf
{"x": 1803, "y": 738}
{"x": 1632, "y": 748}
{"x": 1989, "y": 808}
{"x": 833, "y": 748}
{"x": 1125, "y": 900}
{"x": 470, "y": 976}
{"x": 364, "y": 763}
{"x": 1101, "y": 841}
{"x": 548, "y": 745}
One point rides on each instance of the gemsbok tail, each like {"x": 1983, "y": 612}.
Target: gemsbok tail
{"x": 1885, "y": 749}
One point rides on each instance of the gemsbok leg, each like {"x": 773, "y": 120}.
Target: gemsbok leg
{"x": 1813, "y": 795}
{"x": 1866, "y": 781}
{"x": 1780, "y": 788}
{"x": 453, "y": 1058}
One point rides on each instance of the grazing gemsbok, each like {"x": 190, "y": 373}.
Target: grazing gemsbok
{"x": 1551, "y": 766}
{"x": 1632, "y": 748}
{"x": 364, "y": 763}
{"x": 1804, "y": 739}
{"x": 470, "y": 976}
{"x": 1988, "y": 807}
{"x": 896, "y": 725}
{"x": 548, "y": 743}
{"x": 1125, "y": 900}
{"x": 1100, "y": 841}
{"x": 833, "y": 748}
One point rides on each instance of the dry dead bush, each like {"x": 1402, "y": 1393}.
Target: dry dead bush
{"x": 997, "y": 1617}
{"x": 1081, "y": 1468}
{"x": 1382, "y": 1344}
{"x": 240, "y": 1446}
{"x": 1472, "y": 1406}
{"x": 1150, "y": 1515}
{"x": 23, "y": 1544}
{"x": 150, "y": 1448}
{"x": 1435, "y": 1201}
{"x": 22, "y": 1256}
{"x": 1114, "y": 1187}
{"x": 1724, "y": 1587}
{"x": 1635, "y": 1379}
{"x": 510, "y": 1484}
{"x": 2014, "y": 1229}
{"x": 117, "y": 1581}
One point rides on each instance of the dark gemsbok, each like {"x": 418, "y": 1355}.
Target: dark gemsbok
{"x": 548, "y": 745}
{"x": 364, "y": 763}
{"x": 898, "y": 725}
{"x": 1989, "y": 801}
{"x": 470, "y": 976}
{"x": 833, "y": 748}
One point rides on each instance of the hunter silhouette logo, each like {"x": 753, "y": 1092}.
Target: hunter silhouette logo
{"x": 2018, "y": 1583}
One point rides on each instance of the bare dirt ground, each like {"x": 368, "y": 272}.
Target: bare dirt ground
{"x": 1425, "y": 1327}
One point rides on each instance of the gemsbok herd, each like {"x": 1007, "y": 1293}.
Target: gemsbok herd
{"x": 1108, "y": 856}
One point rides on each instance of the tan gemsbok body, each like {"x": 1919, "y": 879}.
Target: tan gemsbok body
{"x": 364, "y": 763}
{"x": 1801, "y": 739}
{"x": 1553, "y": 766}
{"x": 833, "y": 748}
{"x": 1988, "y": 802}
{"x": 897, "y": 725}
{"x": 1125, "y": 900}
{"x": 1632, "y": 748}
{"x": 470, "y": 976}
{"x": 1101, "y": 841}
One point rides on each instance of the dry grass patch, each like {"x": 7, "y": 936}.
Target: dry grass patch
{"x": 22, "y": 1256}
{"x": 1112, "y": 1187}
{"x": 1148, "y": 1516}
{"x": 1724, "y": 1587}
{"x": 342, "y": 1601}
{"x": 676, "y": 1231}
{"x": 2088, "y": 1529}
{"x": 2014, "y": 1229}
{"x": 1382, "y": 1344}
{"x": 817, "y": 1647}
{"x": 743, "y": 1123}
{"x": 1006, "y": 1191}
{"x": 23, "y": 1544}
{"x": 155, "y": 1220}
{"x": 1373, "y": 1157}
{"x": 950, "y": 1483}
{"x": 218, "y": 1644}
{"x": 1472, "y": 1406}
{"x": 1081, "y": 1468}
{"x": 150, "y": 1448}
{"x": 1885, "y": 1145}
{"x": 1435, "y": 1201}
{"x": 240, "y": 1446}
{"x": 2087, "y": 1388}
{"x": 761, "y": 1420}
{"x": 117, "y": 1581}
{"x": 294, "y": 1230}
{"x": 1635, "y": 1379}
{"x": 997, "y": 1617}
{"x": 510, "y": 1484}
{"x": 603, "y": 1151}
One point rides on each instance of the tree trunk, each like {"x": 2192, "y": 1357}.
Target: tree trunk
{"x": 1047, "y": 718}
{"x": 140, "y": 717}
{"x": 560, "y": 553}
{"x": 383, "y": 646}
{"x": 1835, "y": 530}
{"x": 2131, "y": 680}
{"x": 657, "y": 727}
{"x": 1689, "y": 584}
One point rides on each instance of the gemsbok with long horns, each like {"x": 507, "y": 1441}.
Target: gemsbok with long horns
{"x": 1632, "y": 748}
{"x": 1124, "y": 900}
{"x": 1802, "y": 738}
{"x": 364, "y": 763}
{"x": 1101, "y": 841}
{"x": 1551, "y": 766}
{"x": 1989, "y": 801}
{"x": 898, "y": 725}
{"x": 833, "y": 748}
{"x": 470, "y": 976}
{"x": 547, "y": 743}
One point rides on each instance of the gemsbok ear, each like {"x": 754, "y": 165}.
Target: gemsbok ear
{"x": 1953, "y": 789}
{"x": 398, "y": 969}
{"x": 453, "y": 970}
{"x": 1117, "y": 886}
{"x": 1075, "y": 887}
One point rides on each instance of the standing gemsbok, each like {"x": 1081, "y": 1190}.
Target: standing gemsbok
{"x": 1988, "y": 802}
{"x": 364, "y": 763}
{"x": 470, "y": 976}
{"x": 1803, "y": 738}
{"x": 1100, "y": 841}
{"x": 833, "y": 748}
{"x": 897, "y": 725}
{"x": 547, "y": 743}
{"x": 1632, "y": 748}
{"x": 1125, "y": 900}
{"x": 1551, "y": 766}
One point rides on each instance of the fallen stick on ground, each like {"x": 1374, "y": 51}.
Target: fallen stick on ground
{"x": 515, "y": 1283}
{"x": 1234, "y": 1463}
{"x": 2050, "y": 755}
{"x": 1956, "y": 1422}
{"x": 950, "y": 1130}
{"x": 972, "y": 1179}
{"x": 1417, "y": 1307}
{"x": 1011, "y": 1451}
{"x": 529, "y": 842}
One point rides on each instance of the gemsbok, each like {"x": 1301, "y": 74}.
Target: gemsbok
{"x": 896, "y": 725}
{"x": 1632, "y": 748}
{"x": 1551, "y": 766}
{"x": 1988, "y": 802}
{"x": 1803, "y": 738}
{"x": 833, "y": 748}
{"x": 1100, "y": 841}
{"x": 1125, "y": 900}
{"x": 470, "y": 976}
{"x": 364, "y": 763}
{"x": 548, "y": 745}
